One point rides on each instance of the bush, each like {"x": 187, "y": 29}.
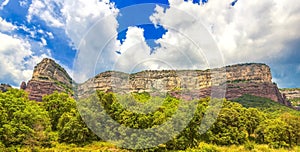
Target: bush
{"x": 249, "y": 145}
{"x": 204, "y": 147}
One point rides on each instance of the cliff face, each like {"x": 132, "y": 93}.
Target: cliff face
{"x": 234, "y": 81}
{"x": 291, "y": 93}
{"x": 254, "y": 79}
{"x": 47, "y": 77}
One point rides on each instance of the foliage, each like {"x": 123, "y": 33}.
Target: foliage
{"x": 72, "y": 129}
{"x": 266, "y": 105}
{"x": 22, "y": 122}
{"x": 57, "y": 104}
{"x": 251, "y": 125}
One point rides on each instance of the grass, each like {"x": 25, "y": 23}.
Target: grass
{"x": 107, "y": 147}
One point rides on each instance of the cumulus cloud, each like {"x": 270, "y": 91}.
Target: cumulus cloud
{"x": 17, "y": 59}
{"x": 6, "y": 26}
{"x": 198, "y": 36}
{"x": 136, "y": 55}
{"x": 133, "y": 51}
{"x": 5, "y": 2}
{"x": 90, "y": 25}
{"x": 250, "y": 31}
{"x": 45, "y": 10}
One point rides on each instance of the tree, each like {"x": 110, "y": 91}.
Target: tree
{"x": 230, "y": 127}
{"x": 57, "y": 104}
{"x": 22, "y": 119}
{"x": 72, "y": 129}
{"x": 274, "y": 132}
{"x": 293, "y": 123}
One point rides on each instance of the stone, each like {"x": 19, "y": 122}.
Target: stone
{"x": 47, "y": 78}
{"x": 230, "y": 82}
{"x": 253, "y": 78}
{"x": 23, "y": 86}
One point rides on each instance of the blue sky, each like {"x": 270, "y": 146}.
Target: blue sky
{"x": 133, "y": 31}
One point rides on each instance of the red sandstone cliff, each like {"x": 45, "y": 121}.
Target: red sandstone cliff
{"x": 47, "y": 77}
{"x": 233, "y": 81}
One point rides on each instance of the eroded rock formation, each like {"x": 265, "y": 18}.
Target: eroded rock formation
{"x": 230, "y": 82}
{"x": 291, "y": 93}
{"x": 234, "y": 81}
{"x": 47, "y": 77}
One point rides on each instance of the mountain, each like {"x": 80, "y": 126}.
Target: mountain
{"x": 235, "y": 81}
{"x": 264, "y": 104}
{"x": 47, "y": 77}
{"x": 231, "y": 81}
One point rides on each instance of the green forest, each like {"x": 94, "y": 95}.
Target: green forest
{"x": 248, "y": 123}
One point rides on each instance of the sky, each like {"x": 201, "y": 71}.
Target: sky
{"x": 87, "y": 37}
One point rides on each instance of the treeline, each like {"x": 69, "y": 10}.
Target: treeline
{"x": 25, "y": 123}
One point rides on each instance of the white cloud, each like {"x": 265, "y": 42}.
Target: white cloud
{"x": 133, "y": 51}
{"x": 88, "y": 24}
{"x": 251, "y": 31}
{"x": 6, "y": 26}
{"x": 43, "y": 41}
{"x": 5, "y": 2}
{"x": 45, "y": 10}
{"x": 23, "y": 3}
{"x": 50, "y": 35}
{"x": 17, "y": 59}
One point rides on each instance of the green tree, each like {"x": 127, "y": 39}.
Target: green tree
{"x": 72, "y": 129}
{"x": 230, "y": 127}
{"x": 293, "y": 123}
{"x": 21, "y": 120}
{"x": 57, "y": 104}
{"x": 274, "y": 132}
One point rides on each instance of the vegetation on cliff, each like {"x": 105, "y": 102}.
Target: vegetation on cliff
{"x": 55, "y": 124}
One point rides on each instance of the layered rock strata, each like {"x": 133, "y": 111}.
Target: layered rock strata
{"x": 47, "y": 77}
{"x": 231, "y": 81}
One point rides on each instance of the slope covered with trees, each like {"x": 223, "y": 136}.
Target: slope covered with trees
{"x": 55, "y": 123}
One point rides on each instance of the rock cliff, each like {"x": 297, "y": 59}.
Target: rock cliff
{"x": 235, "y": 81}
{"x": 47, "y": 77}
{"x": 254, "y": 79}
{"x": 293, "y": 95}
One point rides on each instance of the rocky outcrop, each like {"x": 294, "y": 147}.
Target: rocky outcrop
{"x": 230, "y": 82}
{"x": 4, "y": 87}
{"x": 48, "y": 77}
{"x": 293, "y": 95}
{"x": 235, "y": 81}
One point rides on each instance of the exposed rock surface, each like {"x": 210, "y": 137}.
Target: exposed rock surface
{"x": 292, "y": 94}
{"x": 234, "y": 81}
{"x": 4, "y": 87}
{"x": 230, "y": 82}
{"x": 48, "y": 77}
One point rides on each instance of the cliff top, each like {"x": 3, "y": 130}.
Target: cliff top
{"x": 49, "y": 70}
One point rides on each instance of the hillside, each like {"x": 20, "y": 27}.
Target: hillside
{"x": 264, "y": 104}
